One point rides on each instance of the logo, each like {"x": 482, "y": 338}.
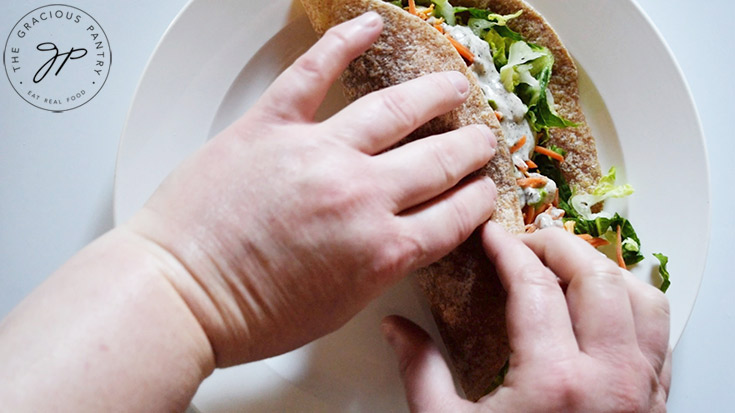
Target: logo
{"x": 57, "y": 57}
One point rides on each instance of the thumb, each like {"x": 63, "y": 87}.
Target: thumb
{"x": 426, "y": 377}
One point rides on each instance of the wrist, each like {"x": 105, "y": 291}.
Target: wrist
{"x": 111, "y": 323}
{"x": 202, "y": 279}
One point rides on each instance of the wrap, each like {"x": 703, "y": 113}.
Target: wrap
{"x": 466, "y": 298}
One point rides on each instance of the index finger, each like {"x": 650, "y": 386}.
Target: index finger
{"x": 380, "y": 119}
{"x": 299, "y": 91}
{"x": 598, "y": 298}
{"x": 536, "y": 309}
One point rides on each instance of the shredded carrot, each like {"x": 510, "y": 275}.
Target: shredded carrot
{"x": 549, "y": 153}
{"x": 463, "y": 51}
{"x": 533, "y": 182}
{"x": 619, "y": 249}
{"x": 556, "y": 198}
{"x": 531, "y": 164}
{"x": 529, "y": 214}
{"x": 412, "y": 7}
{"x": 599, "y": 242}
{"x": 438, "y": 25}
{"x": 499, "y": 116}
{"x": 595, "y": 242}
{"x": 531, "y": 228}
{"x": 522, "y": 167}
{"x": 426, "y": 13}
{"x": 518, "y": 144}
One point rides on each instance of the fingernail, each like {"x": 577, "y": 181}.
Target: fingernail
{"x": 489, "y": 135}
{"x": 459, "y": 81}
{"x": 369, "y": 19}
{"x": 391, "y": 336}
{"x": 388, "y": 332}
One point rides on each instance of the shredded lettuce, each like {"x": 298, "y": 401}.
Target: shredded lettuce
{"x": 550, "y": 169}
{"x": 607, "y": 228}
{"x": 543, "y": 114}
{"x": 606, "y": 186}
{"x": 525, "y": 68}
{"x": 499, "y": 45}
{"x": 605, "y": 189}
{"x": 442, "y": 8}
{"x": 482, "y": 14}
{"x": 598, "y": 226}
{"x": 663, "y": 262}
{"x": 524, "y": 62}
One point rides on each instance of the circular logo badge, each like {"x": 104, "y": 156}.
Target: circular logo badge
{"x": 57, "y": 57}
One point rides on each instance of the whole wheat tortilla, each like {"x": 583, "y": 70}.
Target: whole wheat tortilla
{"x": 465, "y": 295}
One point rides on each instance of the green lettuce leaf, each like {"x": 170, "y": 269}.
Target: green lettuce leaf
{"x": 543, "y": 113}
{"x": 663, "y": 262}
{"x": 442, "y": 8}
{"x": 550, "y": 169}
{"x": 606, "y": 186}
{"x": 605, "y": 189}
{"x": 600, "y": 226}
{"x": 607, "y": 228}
{"x": 527, "y": 73}
{"x": 499, "y": 45}
{"x": 520, "y": 67}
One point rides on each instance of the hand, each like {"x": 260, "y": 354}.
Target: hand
{"x": 283, "y": 228}
{"x": 593, "y": 340}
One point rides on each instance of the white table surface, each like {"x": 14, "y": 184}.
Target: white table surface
{"x": 57, "y": 170}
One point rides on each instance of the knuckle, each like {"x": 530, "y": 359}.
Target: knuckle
{"x": 538, "y": 277}
{"x": 310, "y": 67}
{"x": 657, "y": 300}
{"x": 631, "y": 402}
{"x": 606, "y": 271}
{"x": 446, "y": 159}
{"x": 633, "y": 385}
{"x": 336, "y": 38}
{"x": 464, "y": 220}
{"x": 631, "y": 398}
{"x": 337, "y": 194}
{"x": 399, "y": 108}
{"x": 568, "y": 389}
{"x": 396, "y": 254}
{"x": 563, "y": 387}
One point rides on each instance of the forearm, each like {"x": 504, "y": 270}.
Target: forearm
{"x": 107, "y": 331}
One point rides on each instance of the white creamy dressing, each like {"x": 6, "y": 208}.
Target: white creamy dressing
{"x": 538, "y": 196}
{"x": 514, "y": 123}
{"x": 550, "y": 218}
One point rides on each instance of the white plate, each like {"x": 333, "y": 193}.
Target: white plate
{"x": 215, "y": 61}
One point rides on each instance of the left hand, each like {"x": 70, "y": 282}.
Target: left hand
{"x": 598, "y": 344}
{"x": 284, "y": 228}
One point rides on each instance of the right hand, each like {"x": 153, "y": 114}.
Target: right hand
{"x": 595, "y": 339}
